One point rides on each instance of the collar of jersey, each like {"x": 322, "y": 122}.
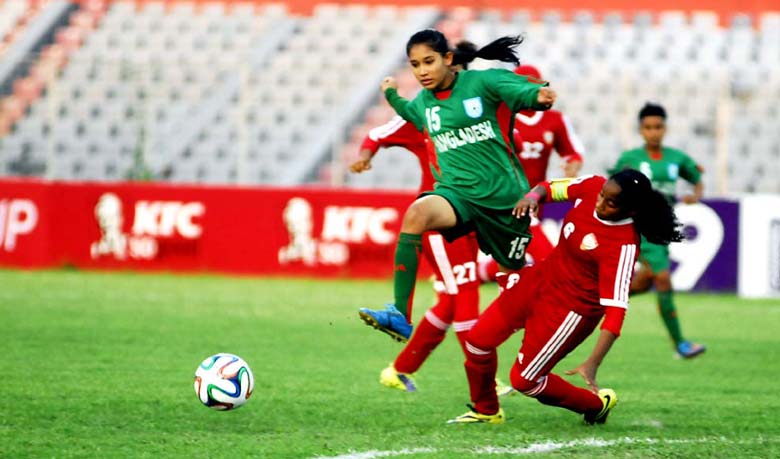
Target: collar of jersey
{"x": 530, "y": 120}
{"x": 443, "y": 94}
{"x": 625, "y": 221}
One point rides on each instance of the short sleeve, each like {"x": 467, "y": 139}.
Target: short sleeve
{"x": 689, "y": 170}
{"x": 616, "y": 268}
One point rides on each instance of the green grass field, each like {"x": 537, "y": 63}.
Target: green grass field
{"x": 100, "y": 365}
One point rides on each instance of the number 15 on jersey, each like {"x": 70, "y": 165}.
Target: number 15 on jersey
{"x": 432, "y": 116}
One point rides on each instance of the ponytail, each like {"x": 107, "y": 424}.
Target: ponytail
{"x": 502, "y": 49}
{"x": 462, "y": 49}
{"x": 653, "y": 215}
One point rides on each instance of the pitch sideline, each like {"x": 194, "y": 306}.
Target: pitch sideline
{"x": 533, "y": 448}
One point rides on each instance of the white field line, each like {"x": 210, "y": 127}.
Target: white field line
{"x": 533, "y": 448}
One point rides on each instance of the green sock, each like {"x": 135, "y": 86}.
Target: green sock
{"x": 407, "y": 256}
{"x": 669, "y": 315}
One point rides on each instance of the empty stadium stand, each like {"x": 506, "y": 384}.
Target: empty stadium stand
{"x": 252, "y": 93}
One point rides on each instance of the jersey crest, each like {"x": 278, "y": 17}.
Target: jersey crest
{"x": 473, "y": 107}
{"x": 548, "y": 137}
{"x": 673, "y": 170}
{"x": 589, "y": 242}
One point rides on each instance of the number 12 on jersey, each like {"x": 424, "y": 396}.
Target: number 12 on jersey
{"x": 518, "y": 247}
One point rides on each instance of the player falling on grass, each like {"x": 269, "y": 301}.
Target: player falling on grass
{"x": 454, "y": 262}
{"x": 664, "y": 166}
{"x": 536, "y": 135}
{"x": 478, "y": 178}
{"x": 560, "y": 300}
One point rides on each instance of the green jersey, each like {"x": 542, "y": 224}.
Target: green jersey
{"x": 470, "y": 129}
{"x": 663, "y": 172}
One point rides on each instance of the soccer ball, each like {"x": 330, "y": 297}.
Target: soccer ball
{"x": 224, "y": 382}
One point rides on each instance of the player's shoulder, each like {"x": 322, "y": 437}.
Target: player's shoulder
{"x": 632, "y": 151}
{"x": 590, "y": 180}
{"x": 671, "y": 151}
{"x": 552, "y": 116}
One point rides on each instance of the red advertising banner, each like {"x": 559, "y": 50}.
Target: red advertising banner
{"x": 144, "y": 226}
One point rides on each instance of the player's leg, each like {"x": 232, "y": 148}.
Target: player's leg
{"x": 499, "y": 321}
{"x": 668, "y": 312}
{"x": 551, "y": 334}
{"x": 487, "y": 268}
{"x": 426, "y": 213}
{"x": 455, "y": 270}
{"x": 428, "y": 334}
{"x": 540, "y": 246}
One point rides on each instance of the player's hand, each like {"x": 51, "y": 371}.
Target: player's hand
{"x": 387, "y": 83}
{"x": 571, "y": 168}
{"x": 588, "y": 372}
{"x": 546, "y": 97}
{"x": 690, "y": 199}
{"x": 360, "y": 165}
{"x": 526, "y": 206}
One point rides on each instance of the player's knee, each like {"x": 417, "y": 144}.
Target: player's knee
{"x": 663, "y": 281}
{"x": 519, "y": 382}
{"x": 416, "y": 219}
{"x": 444, "y": 309}
{"x": 476, "y": 349}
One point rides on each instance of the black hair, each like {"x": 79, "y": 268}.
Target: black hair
{"x": 653, "y": 215}
{"x": 651, "y": 109}
{"x": 501, "y": 49}
{"x": 462, "y": 49}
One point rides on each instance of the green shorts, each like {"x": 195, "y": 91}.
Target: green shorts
{"x": 656, "y": 256}
{"x": 499, "y": 233}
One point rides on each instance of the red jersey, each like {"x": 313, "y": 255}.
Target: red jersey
{"x": 400, "y": 133}
{"x": 592, "y": 265}
{"x": 537, "y": 134}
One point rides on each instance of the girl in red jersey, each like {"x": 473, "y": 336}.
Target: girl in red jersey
{"x": 561, "y": 300}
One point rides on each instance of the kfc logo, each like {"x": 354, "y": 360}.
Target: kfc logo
{"x": 152, "y": 221}
{"x": 339, "y": 227}
{"x": 358, "y": 224}
{"x": 17, "y": 217}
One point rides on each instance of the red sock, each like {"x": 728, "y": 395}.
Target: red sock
{"x": 555, "y": 391}
{"x": 466, "y": 313}
{"x": 426, "y": 337}
{"x": 481, "y": 366}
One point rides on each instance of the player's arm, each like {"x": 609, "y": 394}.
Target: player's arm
{"x": 569, "y": 147}
{"x": 615, "y": 271}
{"x": 395, "y": 132}
{"x": 363, "y": 162}
{"x": 557, "y": 190}
{"x": 590, "y": 366}
{"x": 402, "y": 106}
{"x": 517, "y": 91}
{"x": 691, "y": 172}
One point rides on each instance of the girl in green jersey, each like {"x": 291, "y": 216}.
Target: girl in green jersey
{"x": 467, "y": 117}
{"x": 664, "y": 166}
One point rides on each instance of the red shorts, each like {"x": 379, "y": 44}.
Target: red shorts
{"x": 454, "y": 263}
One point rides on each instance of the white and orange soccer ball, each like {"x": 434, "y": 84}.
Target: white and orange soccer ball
{"x": 224, "y": 382}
